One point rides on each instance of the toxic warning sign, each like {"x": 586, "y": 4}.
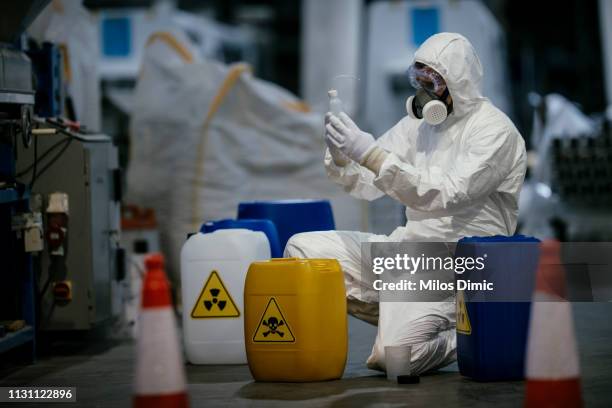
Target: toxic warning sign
{"x": 273, "y": 327}
{"x": 214, "y": 300}
{"x": 463, "y": 320}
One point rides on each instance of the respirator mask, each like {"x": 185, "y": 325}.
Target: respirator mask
{"x": 430, "y": 101}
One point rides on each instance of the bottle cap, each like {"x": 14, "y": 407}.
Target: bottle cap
{"x": 140, "y": 246}
{"x": 332, "y": 93}
{"x": 408, "y": 379}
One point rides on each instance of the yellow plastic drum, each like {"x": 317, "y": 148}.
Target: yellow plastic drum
{"x": 295, "y": 321}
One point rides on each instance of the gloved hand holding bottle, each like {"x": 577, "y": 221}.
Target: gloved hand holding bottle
{"x": 339, "y": 158}
{"x": 335, "y": 107}
{"x": 342, "y": 133}
{"x": 346, "y": 136}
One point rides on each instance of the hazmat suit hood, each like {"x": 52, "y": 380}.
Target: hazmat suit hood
{"x": 453, "y": 57}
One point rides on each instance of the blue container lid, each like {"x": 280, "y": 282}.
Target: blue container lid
{"x": 500, "y": 238}
{"x": 291, "y": 216}
{"x": 262, "y": 225}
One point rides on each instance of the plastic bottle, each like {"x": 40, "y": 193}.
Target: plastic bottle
{"x": 335, "y": 104}
{"x": 213, "y": 271}
{"x": 335, "y": 107}
{"x": 295, "y": 323}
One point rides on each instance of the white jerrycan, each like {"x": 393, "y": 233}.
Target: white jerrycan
{"x": 213, "y": 271}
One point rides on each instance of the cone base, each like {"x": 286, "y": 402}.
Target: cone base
{"x": 553, "y": 393}
{"x": 178, "y": 400}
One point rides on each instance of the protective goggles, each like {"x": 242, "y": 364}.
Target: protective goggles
{"x": 422, "y": 76}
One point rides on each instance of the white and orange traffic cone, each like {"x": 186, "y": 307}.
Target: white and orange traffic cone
{"x": 553, "y": 369}
{"x": 160, "y": 377}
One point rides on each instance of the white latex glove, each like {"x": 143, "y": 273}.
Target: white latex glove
{"x": 344, "y": 134}
{"x": 338, "y": 157}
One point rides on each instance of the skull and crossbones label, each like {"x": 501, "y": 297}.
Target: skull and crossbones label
{"x": 273, "y": 326}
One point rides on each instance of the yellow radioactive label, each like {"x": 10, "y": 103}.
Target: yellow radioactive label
{"x": 463, "y": 320}
{"x": 273, "y": 327}
{"x": 214, "y": 300}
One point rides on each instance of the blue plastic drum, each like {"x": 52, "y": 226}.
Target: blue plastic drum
{"x": 290, "y": 216}
{"x": 492, "y": 335}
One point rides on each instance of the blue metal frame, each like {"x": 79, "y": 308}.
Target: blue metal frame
{"x": 11, "y": 200}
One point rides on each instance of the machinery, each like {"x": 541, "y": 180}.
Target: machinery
{"x": 78, "y": 194}
{"x": 59, "y": 195}
{"x": 20, "y": 229}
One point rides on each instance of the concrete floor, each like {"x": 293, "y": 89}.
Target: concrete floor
{"x": 102, "y": 373}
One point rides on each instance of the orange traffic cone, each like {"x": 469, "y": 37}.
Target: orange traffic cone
{"x": 160, "y": 377}
{"x": 553, "y": 370}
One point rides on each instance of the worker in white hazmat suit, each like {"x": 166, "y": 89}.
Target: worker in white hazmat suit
{"x": 455, "y": 161}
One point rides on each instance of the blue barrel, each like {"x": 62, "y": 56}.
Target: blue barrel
{"x": 265, "y": 226}
{"x": 493, "y": 347}
{"x": 291, "y": 216}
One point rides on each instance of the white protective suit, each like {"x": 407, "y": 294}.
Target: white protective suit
{"x": 460, "y": 178}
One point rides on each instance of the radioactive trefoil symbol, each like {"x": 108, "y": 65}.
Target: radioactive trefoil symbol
{"x": 208, "y": 304}
{"x": 214, "y": 300}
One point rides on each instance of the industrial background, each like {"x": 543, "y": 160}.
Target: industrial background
{"x": 127, "y": 127}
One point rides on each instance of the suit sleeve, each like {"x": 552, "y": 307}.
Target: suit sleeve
{"x": 358, "y": 180}
{"x": 477, "y": 171}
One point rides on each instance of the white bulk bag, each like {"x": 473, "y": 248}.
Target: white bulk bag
{"x": 206, "y": 136}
